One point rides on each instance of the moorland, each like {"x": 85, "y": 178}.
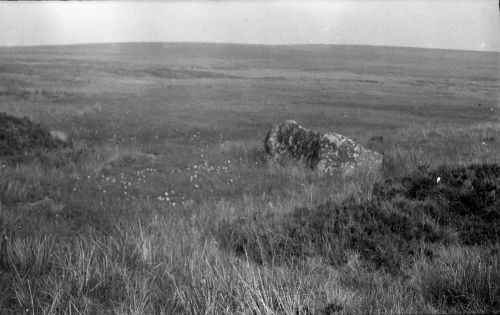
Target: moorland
{"x": 166, "y": 203}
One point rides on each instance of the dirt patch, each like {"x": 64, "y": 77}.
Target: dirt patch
{"x": 21, "y": 137}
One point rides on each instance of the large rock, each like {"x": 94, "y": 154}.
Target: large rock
{"x": 328, "y": 153}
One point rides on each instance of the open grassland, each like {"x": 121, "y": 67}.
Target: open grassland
{"x": 167, "y": 203}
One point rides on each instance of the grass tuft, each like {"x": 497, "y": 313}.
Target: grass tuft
{"x": 461, "y": 279}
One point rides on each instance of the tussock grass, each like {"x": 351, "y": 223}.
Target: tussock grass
{"x": 461, "y": 279}
{"x": 440, "y": 145}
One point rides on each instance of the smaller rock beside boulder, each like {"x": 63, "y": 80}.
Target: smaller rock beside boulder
{"x": 20, "y": 136}
{"x": 60, "y": 135}
{"x": 328, "y": 153}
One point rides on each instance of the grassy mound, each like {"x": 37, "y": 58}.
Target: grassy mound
{"x": 406, "y": 217}
{"x": 20, "y": 137}
{"x": 383, "y": 236}
{"x": 466, "y": 199}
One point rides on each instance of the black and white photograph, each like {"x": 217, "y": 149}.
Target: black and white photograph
{"x": 250, "y": 157}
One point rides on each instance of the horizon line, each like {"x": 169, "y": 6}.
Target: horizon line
{"x": 236, "y": 43}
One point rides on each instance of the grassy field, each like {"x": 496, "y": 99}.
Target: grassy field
{"x": 167, "y": 203}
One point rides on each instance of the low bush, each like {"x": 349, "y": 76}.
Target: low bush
{"x": 466, "y": 199}
{"x": 383, "y": 236}
{"x": 403, "y": 218}
{"x": 20, "y": 137}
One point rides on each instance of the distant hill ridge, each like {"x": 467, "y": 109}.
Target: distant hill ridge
{"x": 246, "y": 45}
{"x": 392, "y": 61}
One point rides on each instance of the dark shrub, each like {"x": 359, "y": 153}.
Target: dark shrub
{"x": 376, "y": 143}
{"x": 382, "y": 236}
{"x": 402, "y": 219}
{"x": 20, "y": 137}
{"x": 465, "y": 198}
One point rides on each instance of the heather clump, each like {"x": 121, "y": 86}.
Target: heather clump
{"x": 21, "y": 137}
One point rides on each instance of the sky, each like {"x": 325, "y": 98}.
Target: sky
{"x": 447, "y": 24}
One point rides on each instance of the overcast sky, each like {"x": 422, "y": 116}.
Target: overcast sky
{"x": 470, "y": 24}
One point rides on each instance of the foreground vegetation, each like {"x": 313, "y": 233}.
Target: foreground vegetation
{"x": 148, "y": 215}
{"x": 275, "y": 239}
